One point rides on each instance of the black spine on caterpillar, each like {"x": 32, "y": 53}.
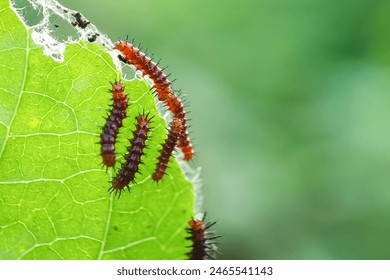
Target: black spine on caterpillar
{"x": 113, "y": 123}
{"x": 133, "y": 157}
{"x": 167, "y": 149}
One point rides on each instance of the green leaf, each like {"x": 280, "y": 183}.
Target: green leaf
{"x": 54, "y": 202}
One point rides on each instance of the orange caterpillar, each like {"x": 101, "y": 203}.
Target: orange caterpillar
{"x": 162, "y": 85}
{"x": 132, "y": 55}
{"x": 175, "y": 105}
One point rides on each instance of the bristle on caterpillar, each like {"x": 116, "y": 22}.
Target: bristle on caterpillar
{"x": 167, "y": 149}
{"x": 113, "y": 123}
{"x": 133, "y": 157}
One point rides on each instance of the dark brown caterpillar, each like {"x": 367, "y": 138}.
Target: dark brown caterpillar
{"x": 167, "y": 149}
{"x": 133, "y": 156}
{"x": 113, "y": 123}
{"x": 203, "y": 246}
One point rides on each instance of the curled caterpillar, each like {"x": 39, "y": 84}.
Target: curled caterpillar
{"x": 162, "y": 85}
{"x": 113, "y": 123}
{"x": 167, "y": 149}
{"x": 203, "y": 246}
{"x": 133, "y": 157}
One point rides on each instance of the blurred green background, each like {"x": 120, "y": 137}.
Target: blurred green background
{"x": 290, "y": 110}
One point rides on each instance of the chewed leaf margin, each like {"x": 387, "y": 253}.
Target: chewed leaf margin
{"x": 52, "y": 187}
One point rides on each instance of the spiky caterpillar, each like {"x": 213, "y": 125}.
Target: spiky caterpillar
{"x": 177, "y": 108}
{"x": 167, "y": 149}
{"x": 113, "y": 123}
{"x": 142, "y": 62}
{"x": 133, "y": 157}
{"x": 203, "y": 247}
{"x": 162, "y": 85}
